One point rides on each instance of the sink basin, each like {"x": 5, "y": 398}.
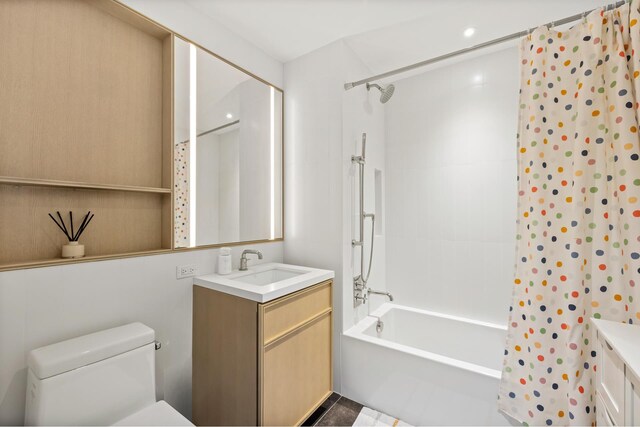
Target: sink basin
{"x": 268, "y": 276}
{"x": 265, "y": 282}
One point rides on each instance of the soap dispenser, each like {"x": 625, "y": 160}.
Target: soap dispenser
{"x": 224, "y": 261}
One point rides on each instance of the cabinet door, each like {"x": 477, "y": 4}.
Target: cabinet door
{"x": 225, "y": 361}
{"x": 602, "y": 416}
{"x": 611, "y": 381}
{"x": 296, "y": 374}
{"x": 633, "y": 408}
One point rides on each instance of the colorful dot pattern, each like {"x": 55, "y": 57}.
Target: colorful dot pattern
{"x": 181, "y": 194}
{"x": 578, "y": 241}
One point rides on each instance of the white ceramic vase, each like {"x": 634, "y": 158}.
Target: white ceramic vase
{"x": 72, "y": 250}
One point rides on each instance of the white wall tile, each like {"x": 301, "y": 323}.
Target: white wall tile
{"x": 451, "y": 187}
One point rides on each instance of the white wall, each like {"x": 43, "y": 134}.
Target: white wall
{"x": 323, "y": 128}
{"x": 45, "y": 305}
{"x": 451, "y": 187}
{"x": 314, "y": 169}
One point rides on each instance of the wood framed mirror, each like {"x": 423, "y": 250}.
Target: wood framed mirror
{"x": 228, "y": 168}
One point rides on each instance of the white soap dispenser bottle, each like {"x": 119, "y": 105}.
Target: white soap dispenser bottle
{"x": 224, "y": 261}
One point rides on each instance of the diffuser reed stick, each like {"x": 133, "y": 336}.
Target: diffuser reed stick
{"x": 75, "y": 234}
{"x": 71, "y": 220}
{"x": 63, "y": 226}
{"x": 84, "y": 225}
{"x": 60, "y": 227}
{"x": 72, "y": 249}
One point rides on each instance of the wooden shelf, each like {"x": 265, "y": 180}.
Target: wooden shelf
{"x": 59, "y": 261}
{"x": 34, "y": 182}
{"x": 87, "y": 126}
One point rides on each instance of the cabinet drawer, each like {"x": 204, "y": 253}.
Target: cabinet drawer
{"x": 287, "y": 313}
{"x": 602, "y": 416}
{"x": 610, "y": 381}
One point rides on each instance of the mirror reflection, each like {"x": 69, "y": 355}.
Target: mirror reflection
{"x": 228, "y": 152}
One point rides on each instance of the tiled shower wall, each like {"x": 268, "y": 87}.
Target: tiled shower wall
{"x": 362, "y": 113}
{"x": 451, "y": 187}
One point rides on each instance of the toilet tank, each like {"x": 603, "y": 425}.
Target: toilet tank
{"x": 95, "y": 379}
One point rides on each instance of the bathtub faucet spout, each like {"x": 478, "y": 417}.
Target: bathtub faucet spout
{"x": 387, "y": 294}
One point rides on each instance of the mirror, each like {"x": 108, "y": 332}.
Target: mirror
{"x": 229, "y": 188}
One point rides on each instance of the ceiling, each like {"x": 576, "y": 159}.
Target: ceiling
{"x": 385, "y": 34}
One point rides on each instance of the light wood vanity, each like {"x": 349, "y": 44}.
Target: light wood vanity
{"x": 261, "y": 364}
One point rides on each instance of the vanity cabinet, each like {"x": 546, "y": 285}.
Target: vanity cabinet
{"x": 261, "y": 364}
{"x": 617, "y": 374}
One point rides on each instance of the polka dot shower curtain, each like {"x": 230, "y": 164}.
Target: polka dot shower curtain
{"x": 578, "y": 212}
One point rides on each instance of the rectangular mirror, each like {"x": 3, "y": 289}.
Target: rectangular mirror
{"x": 228, "y": 152}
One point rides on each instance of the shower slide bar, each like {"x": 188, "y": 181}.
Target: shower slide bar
{"x": 360, "y": 281}
{"x": 489, "y": 43}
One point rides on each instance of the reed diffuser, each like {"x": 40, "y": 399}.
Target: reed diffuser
{"x": 73, "y": 249}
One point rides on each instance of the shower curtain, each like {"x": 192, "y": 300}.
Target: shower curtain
{"x": 578, "y": 241}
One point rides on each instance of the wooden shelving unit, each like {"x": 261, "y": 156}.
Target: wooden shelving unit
{"x": 86, "y": 123}
{"x": 59, "y": 261}
{"x": 79, "y": 185}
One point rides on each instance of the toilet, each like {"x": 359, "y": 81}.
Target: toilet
{"x": 104, "y": 378}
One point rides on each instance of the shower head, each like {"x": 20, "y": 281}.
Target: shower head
{"x": 385, "y": 92}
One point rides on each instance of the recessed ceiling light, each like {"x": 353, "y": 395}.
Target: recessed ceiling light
{"x": 478, "y": 78}
{"x": 229, "y": 116}
{"x": 469, "y": 32}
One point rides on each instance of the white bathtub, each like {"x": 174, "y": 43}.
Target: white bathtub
{"x": 425, "y": 368}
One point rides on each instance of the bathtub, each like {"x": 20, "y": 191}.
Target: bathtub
{"x": 425, "y": 368}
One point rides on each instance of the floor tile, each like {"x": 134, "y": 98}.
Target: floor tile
{"x": 343, "y": 413}
{"x": 322, "y": 409}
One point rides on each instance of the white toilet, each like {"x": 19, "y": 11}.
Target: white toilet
{"x": 104, "y": 378}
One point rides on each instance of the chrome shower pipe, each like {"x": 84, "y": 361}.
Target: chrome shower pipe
{"x": 360, "y": 281}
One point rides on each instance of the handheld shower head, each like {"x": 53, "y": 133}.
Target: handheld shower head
{"x": 385, "y": 92}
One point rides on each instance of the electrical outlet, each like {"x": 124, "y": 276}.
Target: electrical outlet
{"x": 189, "y": 270}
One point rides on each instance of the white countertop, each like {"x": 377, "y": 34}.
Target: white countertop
{"x": 264, "y": 293}
{"x": 625, "y": 340}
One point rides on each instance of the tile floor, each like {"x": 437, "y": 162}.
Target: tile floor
{"x": 340, "y": 411}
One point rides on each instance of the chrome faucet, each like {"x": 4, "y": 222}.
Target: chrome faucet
{"x": 243, "y": 258}
{"x": 387, "y": 294}
{"x": 379, "y": 322}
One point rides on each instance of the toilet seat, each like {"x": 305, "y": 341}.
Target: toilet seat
{"x": 158, "y": 414}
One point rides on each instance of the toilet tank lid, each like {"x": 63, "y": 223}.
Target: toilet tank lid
{"x": 67, "y": 355}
